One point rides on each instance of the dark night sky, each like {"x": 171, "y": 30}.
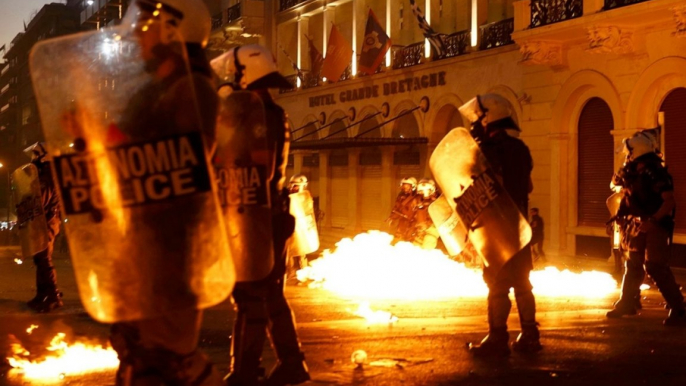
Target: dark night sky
{"x": 13, "y": 14}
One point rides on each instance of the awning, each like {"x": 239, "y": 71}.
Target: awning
{"x": 344, "y": 143}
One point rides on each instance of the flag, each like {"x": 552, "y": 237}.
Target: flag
{"x": 339, "y": 53}
{"x": 435, "y": 39}
{"x": 316, "y": 58}
{"x": 294, "y": 65}
{"x": 376, "y": 43}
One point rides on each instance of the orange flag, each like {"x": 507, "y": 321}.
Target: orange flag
{"x": 339, "y": 54}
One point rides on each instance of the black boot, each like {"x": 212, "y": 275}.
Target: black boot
{"x": 494, "y": 345}
{"x": 631, "y": 288}
{"x": 676, "y": 317}
{"x": 622, "y": 308}
{"x": 528, "y": 340}
{"x": 291, "y": 368}
{"x": 247, "y": 342}
{"x": 46, "y": 303}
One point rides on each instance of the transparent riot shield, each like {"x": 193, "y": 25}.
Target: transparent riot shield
{"x": 305, "y": 237}
{"x": 136, "y": 188}
{"x": 491, "y": 219}
{"x": 447, "y": 222}
{"x": 613, "y": 202}
{"x": 243, "y": 172}
{"x": 33, "y": 227}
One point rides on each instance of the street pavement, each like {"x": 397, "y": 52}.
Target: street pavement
{"x": 426, "y": 346}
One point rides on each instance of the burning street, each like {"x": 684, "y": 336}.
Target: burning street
{"x": 387, "y": 336}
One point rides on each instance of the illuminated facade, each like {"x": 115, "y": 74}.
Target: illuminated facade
{"x": 580, "y": 75}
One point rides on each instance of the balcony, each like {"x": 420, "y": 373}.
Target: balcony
{"x": 233, "y": 13}
{"x": 102, "y": 12}
{"x": 217, "y": 20}
{"x": 545, "y": 12}
{"x": 611, "y": 4}
{"x": 496, "y": 34}
{"x": 286, "y": 4}
{"x": 407, "y": 56}
{"x": 457, "y": 44}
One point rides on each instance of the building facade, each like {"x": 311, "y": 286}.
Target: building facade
{"x": 580, "y": 75}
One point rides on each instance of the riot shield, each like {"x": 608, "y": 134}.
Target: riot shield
{"x": 243, "y": 172}
{"x": 33, "y": 227}
{"x": 491, "y": 219}
{"x": 305, "y": 238}
{"x": 447, "y": 222}
{"x": 136, "y": 188}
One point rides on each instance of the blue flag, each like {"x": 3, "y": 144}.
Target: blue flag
{"x": 375, "y": 45}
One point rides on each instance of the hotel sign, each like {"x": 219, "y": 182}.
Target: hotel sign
{"x": 374, "y": 91}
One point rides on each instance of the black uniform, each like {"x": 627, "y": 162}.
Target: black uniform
{"x": 261, "y": 305}
{"x": 511, "y": 160}
{"x": 644, "y": 180}
{"x": 47, "y": 295}
{"x": 537, "y": 227}
{"x": 163, "y": 350}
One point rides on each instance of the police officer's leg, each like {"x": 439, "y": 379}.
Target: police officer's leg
{"x": 495, "y": 344}
{"x": 162, "y": 351}
{"x": 657, "y": 267}
{"x": 633, "y": 278}
{"x": 47, "y": 295}
{"x": 249, "y": 332}
{"x": 529, "y": 339}
{"x": 291, "y": 367}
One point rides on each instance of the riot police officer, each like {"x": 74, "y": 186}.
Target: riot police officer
{"x": 163, "y": 350}
{"x": 646, "y": 217}
{"x": 425, "y": 233}
{"x": 262, "y": 309}
{"x": 511, "y": 161}
{"x": 296, "y": 184}
{"x": 48, "y": 297}
{"x": 403, "y": 210}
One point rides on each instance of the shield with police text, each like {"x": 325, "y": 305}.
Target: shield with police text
{"x": 33, "y": 227}
{"x": 493, "y": 223}
{"x": 127, "y": 127}
{"x": 242, "y": 162}
{"x": 447, "y": 222}
{"x": 305, "y": 238}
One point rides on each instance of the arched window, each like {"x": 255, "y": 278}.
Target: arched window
{"x": 596, "y": 158}
{"x": 674, "y": 109}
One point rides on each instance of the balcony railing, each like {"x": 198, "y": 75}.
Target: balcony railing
{"x": 233, "y": 13}
{"x": 457, "y": 43}
{"x": 611, "y": 4}
{"x": 217, "y": 20}
{"x": 496, "y": 34}
{"x": 408, "y": 56}
{"x": 347, "y": 73}
{"x": 285, "y": 4}
{"x": 545, "y": 12}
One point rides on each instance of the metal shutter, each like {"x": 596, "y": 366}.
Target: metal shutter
{"x": 595, "y": 162}
{"x": 371, "y": 216}
{"x": 339, "y": 196}
{"x": 674, "y": 108}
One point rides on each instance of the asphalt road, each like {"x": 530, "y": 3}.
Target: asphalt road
{"x": 426, "y": 346}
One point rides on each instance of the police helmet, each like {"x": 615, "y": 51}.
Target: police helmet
{"x": 486, "y": 108}
{"x": 410, "y": 181}
{"x": 426, "y": 185}
{"x": 250, "y": 67}
{"x": 191, "y": 17}
{"x": 639, "y": 144}
{"x": 299, "y": 180}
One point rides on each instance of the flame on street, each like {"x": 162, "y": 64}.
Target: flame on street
{"x": 31, "y": 328}
{"x": 369, "y": 267}
{"x": 66, "y": 360}
{"x": 374, "y": 317}
{"x": 18, "y": 261}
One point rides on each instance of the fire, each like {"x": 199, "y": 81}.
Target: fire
{"x": 18, "y": 261}
{"x": 374, "y": 317}
{"x": 31, "y": 328}
{"x": 369, "y": 267}
{"x": 66, "y": 360}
